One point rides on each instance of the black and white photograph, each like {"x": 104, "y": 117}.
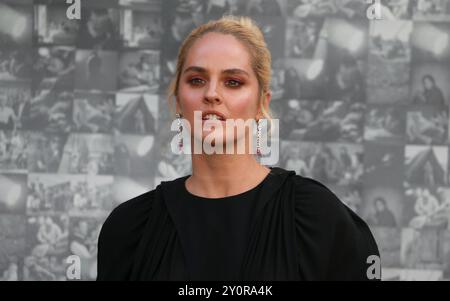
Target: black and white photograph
{"x": 429, "y": 84}
{"x": 277, "y": 82}
{"x": 431, "y": 42}
{"x": 76, "y": 195}
{"x": 399, "y": 274}
{"x": 388, "y": 72}
{"x": 13, "y": 199}
{"x": 52, "y": 27}
{"x": 96, "y": 70}
{"x": 427, "y": 125}
{"x": 16, "y": 25}
{"x": 397, "y": 9}
{"x": 139, "y": 72}
{"x": 299, "y": 78}
{"x": 90, "y": 154}
{"x": 45, "y": 151}
{"x": 296, "y": 156}
{"x": 446, "y": 254}
{"x": 303, "y": 39}
{"x": 93, "y": 112}
{"x": 14, "y": 150}
{"x": 346, "y": 59}
{"x": 332, "y": 163}
{"x": 12, "y": 246}
{"x": 141, "y": 24}
{"x": 15, "y": 105}
{"x": 349, "y": 9}
{"x": 345, "y": 163}
{"x": 426, "y": 165}
{"x": 217, "y": 8}
{"x": 83, "y": 243}
{"x": 16, "y": 64}
{"x": 99, "y": 27}
{"x": 138, "y": 3}
{"x": 45, "y": 196}
{"x": 383, "y": 164}
{"x": 180, "y": 18}
{"x": 47, "y": 248}
{"x": 385, "y": 124}
{"x": 91, "y": 196}
{"x": 275, "y": 8}
{"x": 54, "y": 68}
{"x": 436, "y": 10}
{"x": 136, "y": 113}
{"x": 274, "y": 31}
{"x": 426, "y": 207}
{"x": 389, "y": 245}
{"x": 421, "y": 249}
{"x": 49, "y": 111}
{"x": 321, "y": 121}
{"x": 383, "y": 205}
{"x": 169, "y": 165}
{"x": 134, "y": 155}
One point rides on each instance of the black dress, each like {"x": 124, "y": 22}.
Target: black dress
{"x": 288, "y": 227}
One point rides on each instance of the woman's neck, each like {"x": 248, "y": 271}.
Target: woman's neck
{"x": 216, "y": 176}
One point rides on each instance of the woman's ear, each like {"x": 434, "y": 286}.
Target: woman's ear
{"x": 178, "y": 108}
{"x": 265, "y": 101}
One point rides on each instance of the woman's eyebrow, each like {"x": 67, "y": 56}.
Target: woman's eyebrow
{"x": 232, "y": 71}
{"x": 235, "y": 71}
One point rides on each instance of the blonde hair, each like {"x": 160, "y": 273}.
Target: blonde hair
{"x": 247, "y": 32}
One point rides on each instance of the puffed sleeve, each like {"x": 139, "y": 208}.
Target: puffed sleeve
{"x": 119, "y": 237}
{"x": 333, "y": 242}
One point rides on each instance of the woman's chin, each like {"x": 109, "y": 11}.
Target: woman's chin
{"x": 219, "y": 141}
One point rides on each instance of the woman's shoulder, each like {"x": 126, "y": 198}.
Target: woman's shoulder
{"x": 136, "y": 210}
{"x": 311, "y": 194}
{"x": 120, "y": 235}
{"x": 323, "y": 222}
{"x": 313, "y": 198}
{"x": 139, "y": 203}
{"x": 129, "y": 213}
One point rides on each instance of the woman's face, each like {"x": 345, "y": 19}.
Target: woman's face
{"x": 427, "y": 83}
{"x": 379, "y": 205}
{"x": 217, "y": 75}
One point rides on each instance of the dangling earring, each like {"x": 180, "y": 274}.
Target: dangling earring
{"x": 258, "y": 139}
{"x": 180, "y": 130}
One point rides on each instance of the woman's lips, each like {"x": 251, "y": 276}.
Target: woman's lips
{"x": 213, "y": 122}
{"x": 212, "y": 115}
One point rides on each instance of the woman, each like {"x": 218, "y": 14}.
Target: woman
{"x": 431, "y": 92}
{"x": 383, "y": 216}
{"x": 233, "y": 218}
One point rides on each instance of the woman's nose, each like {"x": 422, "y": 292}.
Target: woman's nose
{"x": 212, "y": 94}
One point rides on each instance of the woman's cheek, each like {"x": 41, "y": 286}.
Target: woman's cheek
{"x": 191, "y": 97}
{"x": 242, "y": 104}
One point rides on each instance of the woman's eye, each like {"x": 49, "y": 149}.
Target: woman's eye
{"x": 233, "y": 83}
{"x": 196, "y": 81}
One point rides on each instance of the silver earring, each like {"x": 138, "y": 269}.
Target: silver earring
{"x": 180, "y": 130}
{"x": 258, "y": 139}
